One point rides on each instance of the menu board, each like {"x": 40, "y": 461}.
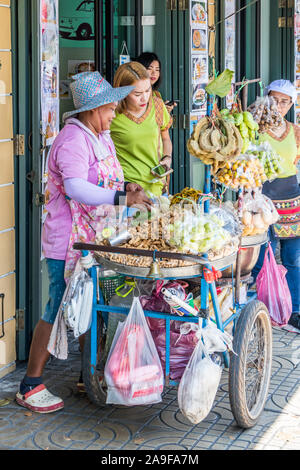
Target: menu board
{"x": 199, "y": 61}
{"x": 229, "y": 42}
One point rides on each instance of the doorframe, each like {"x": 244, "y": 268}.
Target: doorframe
{"x": 21, "y": 59}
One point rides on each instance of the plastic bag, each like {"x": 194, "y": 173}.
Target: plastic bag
{"x": 133, "y": 372}
{"x": 77, "y": 302}
{"x": 258, "y": 214}
{"x": 182, "y": 345}
{"x": 273, "y": 290}
{"x": 265, "y": 112}
{"x": 200, "y": 381}
{"x": 155, "y": 302}
{"x": 271, "y": 161}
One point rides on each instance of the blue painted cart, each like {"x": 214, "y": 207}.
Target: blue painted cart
{"x": 249, "y": 369}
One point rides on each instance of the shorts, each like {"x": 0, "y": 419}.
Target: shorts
{"x": 57, "y": 285}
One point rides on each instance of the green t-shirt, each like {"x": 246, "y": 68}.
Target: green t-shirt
{"x": 139, "y": 146}
{"x": 286, "y": 147}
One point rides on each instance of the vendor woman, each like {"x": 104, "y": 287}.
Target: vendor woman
{"x": 285, "y": 193}
{"x": 85, "y": 186}
{"x": 140, "y": 130}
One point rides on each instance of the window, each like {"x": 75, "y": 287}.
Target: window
{"x": 86, "y": 6}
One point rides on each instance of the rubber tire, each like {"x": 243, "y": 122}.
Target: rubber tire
{"x": 91, "y": 381}
{"x": 244, "y": 417}
{"x": 82, "y": 27}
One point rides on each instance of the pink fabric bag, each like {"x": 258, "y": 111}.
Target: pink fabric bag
{"x": 273, "y": 290}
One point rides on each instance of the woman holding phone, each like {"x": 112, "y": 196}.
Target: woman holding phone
{"x": 152, "y": 63}
{"x": 140, "y": 130}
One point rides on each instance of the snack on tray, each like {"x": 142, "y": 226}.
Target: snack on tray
{"x": 180, "y": 228}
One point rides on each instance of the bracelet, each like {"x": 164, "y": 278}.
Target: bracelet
{"x": 166, "y": 156}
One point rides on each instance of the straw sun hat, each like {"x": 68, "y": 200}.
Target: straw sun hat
{"x": 90, "y": 90}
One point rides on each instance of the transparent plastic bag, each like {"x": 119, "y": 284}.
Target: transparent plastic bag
{"x": 265, "y": 112}
{"x": 258, "y": 214}
{"x": 77, "y": 302}
{"x": 271, "y": 161}
{"x": 200, "y": 381}
{"x": 273, "y": 290}
{"x": 133, "y": 371}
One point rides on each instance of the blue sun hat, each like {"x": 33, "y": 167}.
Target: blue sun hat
{"x": 90, "y": 90}
{"x": 285, "y": 87}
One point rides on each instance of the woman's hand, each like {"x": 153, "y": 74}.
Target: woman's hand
{"x": 138, "y": 198}
{"x": 170, "y": 107}
{"x": 166, "y": 161}
{"x": 133, "y": 187}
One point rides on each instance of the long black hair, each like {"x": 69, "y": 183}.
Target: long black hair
{"x": 146, "y": 59}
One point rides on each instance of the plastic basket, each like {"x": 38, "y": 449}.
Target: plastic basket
{"x": 108, "y": 283}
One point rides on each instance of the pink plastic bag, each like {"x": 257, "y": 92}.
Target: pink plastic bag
{"x": 273, "y": 290}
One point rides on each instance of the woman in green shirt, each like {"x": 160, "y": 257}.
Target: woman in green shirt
{"x": 285, "y": 193}
{"x": 140, "y": 130}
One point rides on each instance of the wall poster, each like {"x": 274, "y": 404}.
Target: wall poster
{"x": 199, "y": 62}
{"x": 229, "y": 45}
{"x": 49, "y": 79}
{"x": 49, "y": 60}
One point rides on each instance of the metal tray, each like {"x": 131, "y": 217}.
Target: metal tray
{"x": 166, "y": 273}
{"x": 254, "y": 240}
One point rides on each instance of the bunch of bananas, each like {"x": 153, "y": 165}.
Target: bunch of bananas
{"x": 215, "y": 141}
{"x": 185, "y": 195}
{"x": 245, "y": 123}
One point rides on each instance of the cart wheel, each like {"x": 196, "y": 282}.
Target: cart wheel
{"x": 94, "y": 383}
{"x": 250, "y": 369}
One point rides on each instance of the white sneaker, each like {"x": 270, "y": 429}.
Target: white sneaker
{"x": 40, "y": 400}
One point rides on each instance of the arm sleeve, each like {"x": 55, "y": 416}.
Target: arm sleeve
{"x": 88, "y": 193}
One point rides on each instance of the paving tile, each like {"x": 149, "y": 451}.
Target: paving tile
{"x": 83, "y": 425}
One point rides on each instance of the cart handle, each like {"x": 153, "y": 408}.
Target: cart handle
{"x": 130, "y": 251}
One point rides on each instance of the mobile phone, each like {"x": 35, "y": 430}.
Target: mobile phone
{"x": 170, "y": 103}
{"x": 160, "y": 171}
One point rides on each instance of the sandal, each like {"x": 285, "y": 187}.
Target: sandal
{"x": 40, "y": 400}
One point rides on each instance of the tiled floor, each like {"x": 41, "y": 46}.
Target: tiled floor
{"x": 82, "y": 425}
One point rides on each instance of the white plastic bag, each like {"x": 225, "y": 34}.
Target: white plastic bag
{"x": 133, "y": 372}
{"x": 200, "y": 381}
{"x": 77, "y": 302}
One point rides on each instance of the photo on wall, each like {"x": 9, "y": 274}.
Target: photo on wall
{"x": 198, "y": 12}
{"x": 199, "y": 40}
{"x": 76, "y": 23}
{"x": 199, "y": 98}
{"x": 199, "y": 68}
